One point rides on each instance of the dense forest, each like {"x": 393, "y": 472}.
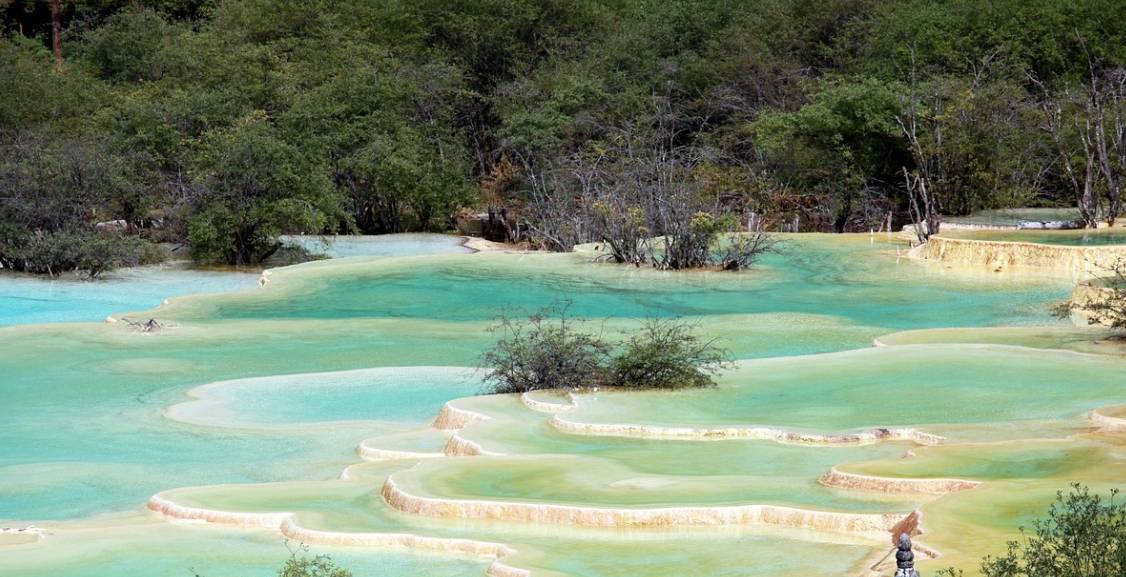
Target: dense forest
{"x": 220, "y": 124}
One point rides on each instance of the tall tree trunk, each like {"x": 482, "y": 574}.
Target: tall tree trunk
{"x": 1088, "y": 198}
{"x": 57, "y": 33}
{"x": 929, "y": 174}
{"x": 1112, "y": 154}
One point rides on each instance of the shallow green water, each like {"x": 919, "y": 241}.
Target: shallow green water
{"x": 938, "y": 384}
{"x": 1102, "y": 237}
{"x": 857, "y": 281}
{"x": 1013, "y": 216}
{"x": 99, "y": 417}
{"x": 400, "y": 395}
{"x": 343, "y": 246}
{"x": 158, "y": 549}
{"x": 26, "y": 299}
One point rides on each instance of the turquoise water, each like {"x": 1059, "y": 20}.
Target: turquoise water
{"x": 99, "y": 417}
{"x": 88, "y": 434}
{"x": 380, "y": 245}
{"x": 896, "y": 386}
{"x": 210, "y": 552}
{"x": 26, "y": 299}
{"x": 1101, "y": 237}
{"x": 809, "y": 278}
{"x": 81, "y": 426}
{"x": 407, "y": 395}
{"x": 1013, "y": 216}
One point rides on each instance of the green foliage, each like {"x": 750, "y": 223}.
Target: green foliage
{"x": 256, "y": 187}
{"x": 1084, "y": 535}
{"x": 128, "y": 46}
{"x": 319, "y": 566}
{"x": 392, "y": 116}
{"x": 33, "y": 95}
{"x": 89, "y": 252}
{"x": 304, "y": 566}
{"x": 666, "y": 354}
{"x": 52, "y": 194}
{"x": 952, "y": 37}
{"x": 548, "y": 350}
{"x": 551, "y": 350}
{"x": 846, "y": 136}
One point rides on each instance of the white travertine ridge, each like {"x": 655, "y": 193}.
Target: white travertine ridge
{"x": 28, "y": 533}
{"x": 370, "y": 453}
{"x": 842, "y": 480}
{"x": 288, "y": 527}
{"x": 1077, "y": 262}
{"x": 168, "y": 508}
{"x": 459, "y": 446}
{"x": 743, "y": 432}
{"x": 451, "y": 417}
{"x": 546, "y": 406}
{"x": 874, "y": 526}
{"x": 1107, "y": 422}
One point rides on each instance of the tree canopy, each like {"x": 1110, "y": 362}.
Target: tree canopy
{"x": 224, "y": 124}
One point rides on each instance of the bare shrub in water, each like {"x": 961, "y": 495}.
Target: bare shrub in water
{"x": 1110, "y": 309}
{"x": 743, "y": 250}
{"x": 667, "y": 354}
{"x": 1083, "y": 536}
{"x": 548, "y": 350}
{"x": 644, "y": 195}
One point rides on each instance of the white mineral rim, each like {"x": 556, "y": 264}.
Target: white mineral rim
{"x": 286, "y": 524}
{"x": 853, "y": 481}
{"x": 743, "y": 432}
{"x": 872, "y": 526}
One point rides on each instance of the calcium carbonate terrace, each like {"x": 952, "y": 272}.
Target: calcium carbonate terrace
{"x": 337, "y": 405}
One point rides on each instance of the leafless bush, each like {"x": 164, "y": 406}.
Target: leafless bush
{"x": 743, "y": 250}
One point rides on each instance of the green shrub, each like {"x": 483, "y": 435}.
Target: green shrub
{"x": 550, "y": 350}
{"x": 319, "y": 566}
{"x": 666, "y": 354}
{"x": 1083, "y": 536}
{"x": 54, "y": 253}
{"x": 302, "y": 566}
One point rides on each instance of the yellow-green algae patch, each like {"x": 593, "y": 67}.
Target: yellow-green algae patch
{"x": 1076, "y": 458}
{"x": 572, "y": 480}
{"x": 1078, "y": 339}
{"x": 907, "y": 386}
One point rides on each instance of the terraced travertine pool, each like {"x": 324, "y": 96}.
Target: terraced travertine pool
{"x": 1081, "y": 237}
{"x": 305, "y": 410}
